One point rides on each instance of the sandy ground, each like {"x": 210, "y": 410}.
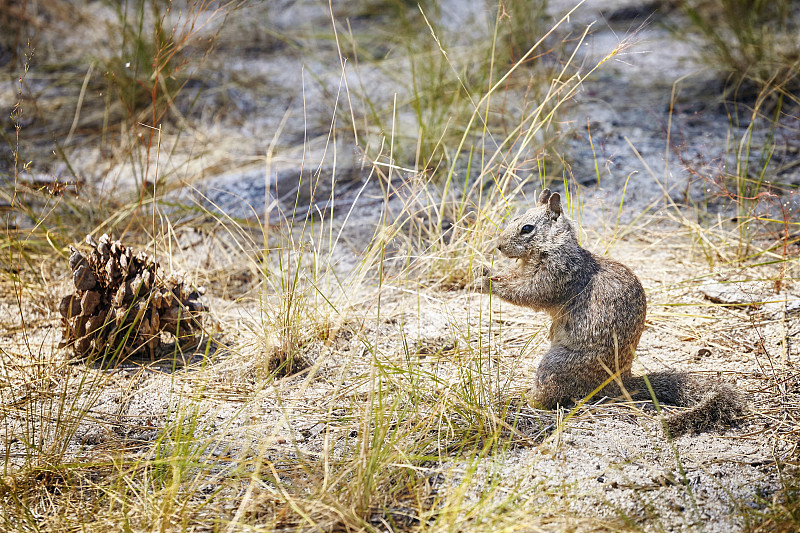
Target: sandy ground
{"x": 609, "y": 461}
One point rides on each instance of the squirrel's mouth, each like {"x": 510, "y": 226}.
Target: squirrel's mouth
{"x": 511, "y": 254}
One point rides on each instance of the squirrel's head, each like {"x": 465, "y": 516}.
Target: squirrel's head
{"x": 538, "y": 231}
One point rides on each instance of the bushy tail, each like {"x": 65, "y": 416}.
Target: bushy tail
{"x": 712, "y": 404}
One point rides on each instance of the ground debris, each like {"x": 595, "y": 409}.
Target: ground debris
{"x": 736, "y": 294}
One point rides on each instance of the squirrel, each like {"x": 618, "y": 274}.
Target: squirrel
{"x": 598, "y": 308}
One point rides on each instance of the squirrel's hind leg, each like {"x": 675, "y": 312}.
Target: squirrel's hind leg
{"x": 563, "y": 378}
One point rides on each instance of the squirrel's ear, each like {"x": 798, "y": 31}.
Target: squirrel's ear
{"x": 543, "y": 197}
{"x": 554, "y": 204}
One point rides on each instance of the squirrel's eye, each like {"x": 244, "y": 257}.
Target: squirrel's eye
{"x": 527, "y": 228}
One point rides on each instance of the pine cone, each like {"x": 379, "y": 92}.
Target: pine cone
{"x": 124, "y": 303}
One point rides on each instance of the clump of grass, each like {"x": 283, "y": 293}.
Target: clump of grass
{"x": 782, "y": 513}
{"x": 748, "y": 180}
{"x": 293, "y": 308}
{"x": 154, "y": 51}
{"x": 449, "y": 213}
{"x": 469, "y": 88}
{"x": 745, "y": 203}
{"x": 148, "y": 69}
{"x": 522, "y": 25}
{"x": 756, "y": 41}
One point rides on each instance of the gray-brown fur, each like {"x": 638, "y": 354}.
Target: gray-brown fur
{"x": 598, "y": 308}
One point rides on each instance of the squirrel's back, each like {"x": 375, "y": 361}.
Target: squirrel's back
{"x": 606, "y": 312}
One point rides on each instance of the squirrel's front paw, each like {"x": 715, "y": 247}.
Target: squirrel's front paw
{"x": 480, "y": 279}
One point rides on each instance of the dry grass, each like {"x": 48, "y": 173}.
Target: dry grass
{"x": 348, "y": 383}
{"x": 751, "y": 42}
